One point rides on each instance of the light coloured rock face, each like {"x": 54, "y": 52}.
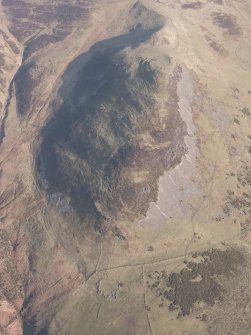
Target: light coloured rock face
{"x": 125, "y": 167}
{"x": 177, "y": 187}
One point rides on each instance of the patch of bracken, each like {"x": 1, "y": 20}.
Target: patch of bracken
{"x": 198, "y": 281}
{"x": 228, "y": 22}
{"x": 192, "y": 5}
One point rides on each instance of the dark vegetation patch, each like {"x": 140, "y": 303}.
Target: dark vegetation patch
{"x": 24, "y": 86}
{"x": 67, "y": 14}
{"x": 236, "y": 121}
{"x": 27, "y": 20}
{"x": 44, "y": 40}
{"x": 198, "y": 282}
{"x": 192, "y": 5}
{"x": 10, "y": 279}
{"x": 246, "y": 225}
{"x": 245, "y": 111}
{"x": 5, "y": 197}
{"x": 19, "y": 9}
{"x": 241, "y": 201}
{"x": 24, "y": 31}
{"x": 146, "y": 73}
{"x": 118, "y": 233}
{"x": 217, "y": 46}
{"x": 218, "y": 2}
{"x": 2, "y": 62}
{"x": 228, "y": 22}
{"x": 19, "y": 15}
{"x": 244, "y": 175}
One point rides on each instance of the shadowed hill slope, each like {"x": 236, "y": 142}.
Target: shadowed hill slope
{"x": 96, "y": 136}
